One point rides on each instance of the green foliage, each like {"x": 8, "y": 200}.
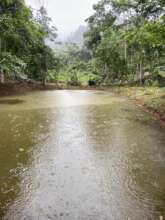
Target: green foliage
{"x": 52, "y": 76}
{"x": 124, "y": 44}
{"x": 74, "y": 66}
{"x": 11, "y": 65}
{"x": 126, "y": 39}
{"x": 22, "y": 40}
{"x": 74, "y": 81}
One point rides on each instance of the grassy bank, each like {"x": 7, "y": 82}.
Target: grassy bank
{"x": 152, "y": 99}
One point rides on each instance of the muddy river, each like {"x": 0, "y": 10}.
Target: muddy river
{"x": 79, "y": 155}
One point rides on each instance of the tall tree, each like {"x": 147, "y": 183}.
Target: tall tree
{"x": 127, "y": 37}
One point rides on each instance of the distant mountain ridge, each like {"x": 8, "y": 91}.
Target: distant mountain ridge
{"x": 77, "y": 36}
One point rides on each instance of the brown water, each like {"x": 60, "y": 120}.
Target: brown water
{"x": 83, "y": 155}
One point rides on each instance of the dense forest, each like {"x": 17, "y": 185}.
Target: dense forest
{"x": 22, "y": 41}
{"x": 127, "y": 39}
{"x": 124, "y": 44}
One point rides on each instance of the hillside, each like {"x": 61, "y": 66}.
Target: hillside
{"x": 77, "y": 36}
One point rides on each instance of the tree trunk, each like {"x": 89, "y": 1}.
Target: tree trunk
{"x": 0, "y": 45}
{"x": 44, "y": 78}
{"x": 2, "y": 77}
{"x": 141, "y": 73}
{"x": 125, "y": 50}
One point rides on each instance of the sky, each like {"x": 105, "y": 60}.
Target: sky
{"x": 67, "y": 15}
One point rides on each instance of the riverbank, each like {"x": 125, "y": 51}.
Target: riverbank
{"x": 151, "y": 99}
{"x": 10, "y": 89}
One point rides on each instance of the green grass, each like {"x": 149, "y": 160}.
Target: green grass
{"x": 83, "y": 77}
{"x": 151, "y": 97}
{"x": 63, "y": 77}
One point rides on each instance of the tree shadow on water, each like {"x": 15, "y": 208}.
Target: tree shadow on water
{"x": 11, "y": 101}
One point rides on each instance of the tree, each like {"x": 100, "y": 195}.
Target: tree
{"x": 127, "y": 37}
{"x": 23, "y": 37}
{"x": 49, "y": 33}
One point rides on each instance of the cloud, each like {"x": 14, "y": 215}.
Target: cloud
{"x": 67, "y": 15}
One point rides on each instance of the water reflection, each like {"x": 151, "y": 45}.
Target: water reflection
{"x": 11, "y": 101}
{"x": 17, "y": 141}
{"x": 80, "y": 155}
{"x": 131, "y": 158}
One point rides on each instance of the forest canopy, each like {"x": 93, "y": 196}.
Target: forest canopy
{"x": 124, "y": 44}
{"x": 22, "y": 41}
{"x": 127, "y": 39}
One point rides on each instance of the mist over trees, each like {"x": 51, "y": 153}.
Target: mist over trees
{"x": 124, "y": 43}
{"x": 77, "y": 37}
